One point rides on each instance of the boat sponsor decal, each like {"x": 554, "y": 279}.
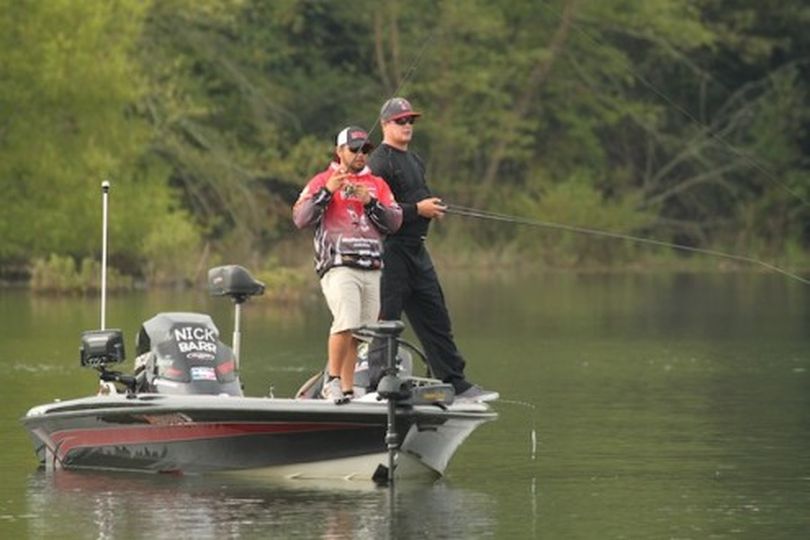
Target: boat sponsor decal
{"x": 172, "y": 419}
{"x": 200, "y": 356}
{"x": 196, "y": 339}
{"x": 140, "y": 435}
{"x": 436, "y": 395}
{"x": 203, "y": 373}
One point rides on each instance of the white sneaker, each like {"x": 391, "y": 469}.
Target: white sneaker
{"x": 476, "y": 393}
{"x": 331, "y": 390}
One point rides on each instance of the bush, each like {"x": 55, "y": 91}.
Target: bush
{"x": 61, "y": 274}
{"x": 171, "y": 251}
{"x": 287, "y": 285}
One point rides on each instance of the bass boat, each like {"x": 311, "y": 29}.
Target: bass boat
{"x": 182, "y": 410}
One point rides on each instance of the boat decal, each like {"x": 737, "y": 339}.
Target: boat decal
{"x": 201, "y": 356}
{"x": 51, "y": 453}
{"x": 165, "y": 419}
{"x": 196, "y": 338}
{"x": 203, "y": 373}
{"x": 67, "y": 440}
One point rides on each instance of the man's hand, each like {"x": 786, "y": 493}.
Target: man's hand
{"x": 431, "y": 208}
{"x": 362, "y": 193}
{"x": 337, "y": 180}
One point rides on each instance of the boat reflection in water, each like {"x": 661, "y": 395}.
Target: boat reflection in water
{"x": 94, "y": 504}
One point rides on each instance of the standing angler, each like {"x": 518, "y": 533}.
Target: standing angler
{"x": 352, "y": 210}
{"x": 409, "y": 281}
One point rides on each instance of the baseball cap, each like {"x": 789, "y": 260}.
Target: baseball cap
{"x": 397, "y": 108}
{"x": 354, "y": 137}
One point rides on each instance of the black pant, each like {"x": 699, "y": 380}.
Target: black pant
{"x": 410, "y": 284}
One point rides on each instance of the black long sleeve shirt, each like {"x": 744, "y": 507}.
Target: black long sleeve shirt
{"x": 405, "y": 174}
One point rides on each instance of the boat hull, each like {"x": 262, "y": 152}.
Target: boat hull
{"x": 202, "y": 434}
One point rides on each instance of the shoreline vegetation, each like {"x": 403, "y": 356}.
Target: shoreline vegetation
{"x": 292, "y": 280}
{"x": 683, "y": 121}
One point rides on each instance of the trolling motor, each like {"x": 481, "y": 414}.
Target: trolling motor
{"x": 392, "y": 388}
{"x": 400, "y": 391}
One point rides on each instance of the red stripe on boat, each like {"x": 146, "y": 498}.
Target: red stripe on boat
{"x": 67, "y": 440}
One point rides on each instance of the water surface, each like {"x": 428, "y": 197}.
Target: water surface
{"x": 661, "y": 406}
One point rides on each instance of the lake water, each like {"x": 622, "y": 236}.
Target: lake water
{"x": 633, "y": 406}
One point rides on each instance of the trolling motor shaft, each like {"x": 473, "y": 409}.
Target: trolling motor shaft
{"x": 392, "y": 388}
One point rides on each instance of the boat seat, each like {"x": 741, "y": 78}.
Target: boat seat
{"x": 234, "y": 281}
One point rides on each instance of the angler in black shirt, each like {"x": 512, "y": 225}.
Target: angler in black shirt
{"x": 409, "y": 281}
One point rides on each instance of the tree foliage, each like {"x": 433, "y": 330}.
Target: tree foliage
{"x": 681, "y": 120}
{"x": 70, "y": 86}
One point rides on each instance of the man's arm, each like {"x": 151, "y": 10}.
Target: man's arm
{"x": 383, "y": 211}
{"x": 311, "y": 204}
{"x": 381, "y": 165}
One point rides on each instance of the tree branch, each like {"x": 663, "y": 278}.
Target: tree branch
{"x": 537, "y": 77}
{"x": 712, "y": 176}
{"x": 379, "y": 52}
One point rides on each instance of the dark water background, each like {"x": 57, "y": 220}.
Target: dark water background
{"x": 634, "y": 406}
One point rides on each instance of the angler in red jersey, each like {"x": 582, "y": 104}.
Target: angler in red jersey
{"x": 352, "y": 210}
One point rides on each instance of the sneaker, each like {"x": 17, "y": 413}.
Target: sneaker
{"x": 331, "y": 390}
{"x": 476, "y": 393}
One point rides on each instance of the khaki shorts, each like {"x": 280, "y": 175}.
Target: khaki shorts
{"x": 353, "y": 296}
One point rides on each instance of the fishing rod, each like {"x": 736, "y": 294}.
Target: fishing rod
{"x": 486, "y": 215}
{"x": 409, "y": 71}
{"x": 506, "y": 218}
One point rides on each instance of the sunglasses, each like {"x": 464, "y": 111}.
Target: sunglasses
{"x": 365, "y": 149}
{"x": 405, "y": 120}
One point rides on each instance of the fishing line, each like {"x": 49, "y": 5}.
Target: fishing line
{"x": 493, "y": 216}
{"x": 712, "y": 133}
{"x": 409, "y": 71}
{"x": 533, "y": 432}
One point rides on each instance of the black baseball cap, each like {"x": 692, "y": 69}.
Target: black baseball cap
{"x": 354, "y": 137}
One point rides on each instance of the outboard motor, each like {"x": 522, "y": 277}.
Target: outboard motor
{"x": 180, "y": 353}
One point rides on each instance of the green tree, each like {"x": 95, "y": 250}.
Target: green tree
{"x": 682, "y": 120}
{"x": 69, "y": 92}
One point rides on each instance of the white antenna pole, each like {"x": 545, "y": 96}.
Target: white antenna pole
{"x": 237, "y": 335}
{"x": 105, "y": 194}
